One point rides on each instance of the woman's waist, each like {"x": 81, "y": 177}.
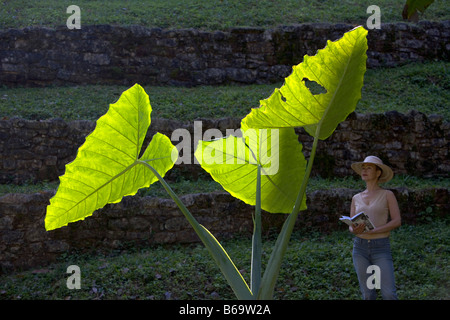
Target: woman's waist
{"x": 378, "y": 240}
{"x": 372, "y": 236}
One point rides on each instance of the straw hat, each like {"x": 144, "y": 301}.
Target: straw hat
{"x": 386, "y": 174}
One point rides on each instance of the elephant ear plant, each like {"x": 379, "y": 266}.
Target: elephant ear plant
{"x": 263, "y": 166}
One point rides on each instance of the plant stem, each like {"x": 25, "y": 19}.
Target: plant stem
{"x": 256, "y": 239}
{"x": 226, "y": 265}
{"x": 273, "y": 267}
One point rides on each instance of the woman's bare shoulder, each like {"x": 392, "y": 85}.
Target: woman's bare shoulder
{"x": 356, "y": 195}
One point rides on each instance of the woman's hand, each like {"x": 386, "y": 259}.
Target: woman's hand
{"x": 357, "y": 229}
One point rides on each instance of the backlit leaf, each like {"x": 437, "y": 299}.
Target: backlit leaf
{"x": 338, "y": 70}
{"x": 233, "y": 162}
{"x": 107, "y": 166}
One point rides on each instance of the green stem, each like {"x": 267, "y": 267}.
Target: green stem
{"x": 226, "y": 265}
{"x": 256, "y": 240}
{"x": 273, "y": 267}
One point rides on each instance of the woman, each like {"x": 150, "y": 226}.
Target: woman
{"x": 372, "y": 248}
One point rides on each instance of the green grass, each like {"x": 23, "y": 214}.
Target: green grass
{"x": 398, "y": 181}
{"x": 206, "y": 14}
{"x": 316, "y": 266}
{"x": 205, "y": 184}
{"x": 421, "y": 86}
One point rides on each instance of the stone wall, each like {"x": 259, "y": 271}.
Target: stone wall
{"x": 411, "y": 143}
{"x": 39, "y": 56}
{"x": 38, "y": 150}
{"x": 24, "y": 243}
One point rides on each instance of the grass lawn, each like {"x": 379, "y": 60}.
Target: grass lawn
{"x": 206, "y": 14}
{"x": 421, "y": 86}
{"x": 205, "y": 184}
{"x": 316, "y": 266}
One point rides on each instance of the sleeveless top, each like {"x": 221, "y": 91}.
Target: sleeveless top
{"x": 377, "y": 210}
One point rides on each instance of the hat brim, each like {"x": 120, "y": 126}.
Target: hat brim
{"x": 386, "y": 175}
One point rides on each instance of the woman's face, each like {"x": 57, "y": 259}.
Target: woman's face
{"x": 370, "y": 172}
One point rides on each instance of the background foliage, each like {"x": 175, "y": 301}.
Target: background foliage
{"x": 204, "y": 14}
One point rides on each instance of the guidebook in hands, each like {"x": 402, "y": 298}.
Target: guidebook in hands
{"x": 357, "y": 219}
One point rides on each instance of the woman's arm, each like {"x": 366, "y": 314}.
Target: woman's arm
{"x": 355, "y": 229}
{"x": 394, "y": 211}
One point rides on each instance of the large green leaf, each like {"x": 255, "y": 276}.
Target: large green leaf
{"x": 107, "y": 166}
{"x": 338, "y": 68}
{"x": 412, "y": 6}
{"x": 233, "y": 162}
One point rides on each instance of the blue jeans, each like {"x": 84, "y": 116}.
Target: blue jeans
{"x": 376, "y": 252}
